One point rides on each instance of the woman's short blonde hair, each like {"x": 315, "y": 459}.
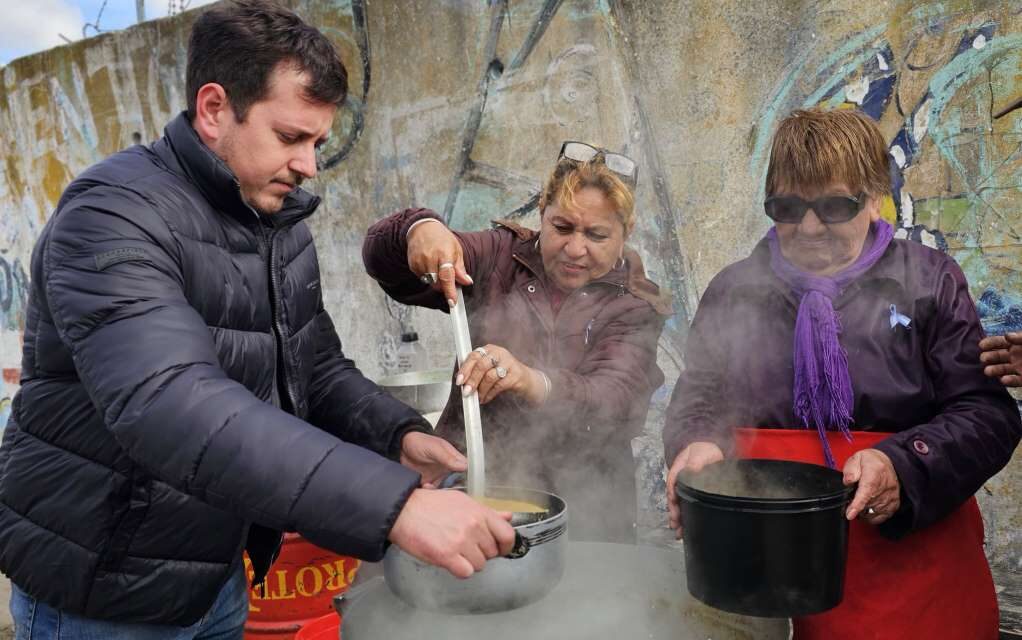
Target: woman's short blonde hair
{"x": 570, "y": 176}
{"x": 814, "y": 148}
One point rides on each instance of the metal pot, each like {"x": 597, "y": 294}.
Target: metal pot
{"x": 425, "y": 391}
{"x": 608, "y": 592}
{"x": 534, "y": 567}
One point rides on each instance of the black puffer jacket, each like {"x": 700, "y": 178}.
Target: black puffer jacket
{"x": 144, "y": 440}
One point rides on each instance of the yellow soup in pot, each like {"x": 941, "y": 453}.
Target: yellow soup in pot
{"x": 514, "y": 506}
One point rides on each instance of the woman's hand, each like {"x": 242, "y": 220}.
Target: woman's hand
{"x": 1002, "y": 356}
{"x": 434, "y": 250}
{"x": 879, "y": 494}
{"x": 482, "y": 370}
{"x": 692, "y": 458}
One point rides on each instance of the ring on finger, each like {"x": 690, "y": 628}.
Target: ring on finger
{"x": 445, "y": 265}
{"x": 501, "y": 372}
{"x": 481, "y": 351}
{"x": 494, "y": 361}
{"x": 428, "y": 278}
{"x": 870, "y": 511}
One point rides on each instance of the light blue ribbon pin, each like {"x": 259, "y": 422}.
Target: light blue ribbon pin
{"x": 899, "y": 318}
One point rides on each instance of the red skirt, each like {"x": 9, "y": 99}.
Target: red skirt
{"x": 933, "y": 583}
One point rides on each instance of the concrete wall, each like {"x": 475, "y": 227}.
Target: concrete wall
{"x": 461, "y": 105}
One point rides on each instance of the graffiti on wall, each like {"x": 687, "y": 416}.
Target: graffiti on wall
{"x": 947, "y": 89}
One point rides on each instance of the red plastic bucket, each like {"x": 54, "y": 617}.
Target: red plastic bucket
{"x": 298, "y": 590}
{"x": 326, "y": 628}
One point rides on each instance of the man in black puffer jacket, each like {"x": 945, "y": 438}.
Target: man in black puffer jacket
{"x": 183, "y": 389}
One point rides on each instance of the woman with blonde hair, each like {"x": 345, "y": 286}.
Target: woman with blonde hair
{"x": 567, "y": 326}
{"x": 834, "y": 343}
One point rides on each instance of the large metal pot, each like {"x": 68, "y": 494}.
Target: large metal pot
{"x": 608, "y": 592}
{"x": 425, "y": 391}
{"x": 504, "y": 583}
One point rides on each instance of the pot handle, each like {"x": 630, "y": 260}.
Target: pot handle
{"x": 344, "y": 601}
{"x": 524, "y": 543}
{"x": 520, "y": 547}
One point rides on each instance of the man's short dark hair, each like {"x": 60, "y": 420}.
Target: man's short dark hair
{"x": 237, "y": 44}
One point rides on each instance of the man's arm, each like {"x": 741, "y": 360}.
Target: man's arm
{"x": 150, "y": 366}
{"x": 350, "y": 406}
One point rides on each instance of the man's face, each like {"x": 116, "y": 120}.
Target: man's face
{"x": 274, "y": 149}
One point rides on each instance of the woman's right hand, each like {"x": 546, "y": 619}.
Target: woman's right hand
{"x": 433, "y": 248}
{"x": 692, "y": 458}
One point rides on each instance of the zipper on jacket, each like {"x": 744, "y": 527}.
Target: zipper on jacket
{"x": 278, "y": 325}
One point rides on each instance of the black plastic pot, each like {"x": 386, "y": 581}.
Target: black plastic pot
{"x": 765, "y": 537}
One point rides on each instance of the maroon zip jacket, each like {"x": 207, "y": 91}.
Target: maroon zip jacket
{"x": 954, "y": 427}
{"x": 599, "y": 352}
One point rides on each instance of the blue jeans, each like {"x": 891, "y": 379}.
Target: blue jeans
{"x": 34, "y": 620}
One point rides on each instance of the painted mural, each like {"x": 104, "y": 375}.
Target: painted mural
{"x": 461, "y": 105}
{"x": 947, "y": 89}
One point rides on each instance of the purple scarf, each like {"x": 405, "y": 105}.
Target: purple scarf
{"x": 823, "y": 388}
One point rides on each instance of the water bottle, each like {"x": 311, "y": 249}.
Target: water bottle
{"x": 411, "y": 355}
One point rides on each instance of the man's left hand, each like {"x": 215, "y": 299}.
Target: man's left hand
{"x": 879, "y": 494}
{"x": 431, "y": 456}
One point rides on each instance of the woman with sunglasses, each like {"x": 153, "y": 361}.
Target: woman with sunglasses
{"x": 834, "y": 343}
{"x": 567, "y": 326}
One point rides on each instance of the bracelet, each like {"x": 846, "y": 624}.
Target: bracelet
{"x": 417, "y": 223}
{"x": 546, "y": 385}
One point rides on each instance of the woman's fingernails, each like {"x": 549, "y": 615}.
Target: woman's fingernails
{"x": 469, "y": 278}
{"x": 459, "y": 380}
{"x": 450, "y": 303}
{"x": 466, "y": 391}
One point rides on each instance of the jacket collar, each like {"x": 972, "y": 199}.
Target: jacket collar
{"x": 218, "y": 184}
{"x": 628, "y": 274}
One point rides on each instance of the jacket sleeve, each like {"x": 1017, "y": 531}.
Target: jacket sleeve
{"x": 350, "y": 406}
{"x": 943, "y": 462}
{"x": 115, "y": 288}
{"x": 385, "y": 254}
{"x": 618, "y": 374}
{"x": 698, "y": 406}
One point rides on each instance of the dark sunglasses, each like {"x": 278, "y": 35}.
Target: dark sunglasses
{"x": 616, "y": 162}
{"x": 829, "y": 209}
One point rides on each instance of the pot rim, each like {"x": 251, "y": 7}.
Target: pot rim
{"x": 558, "y": 508}
{"x": 818, "y": 502}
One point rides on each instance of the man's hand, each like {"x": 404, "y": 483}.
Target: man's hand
{"x": 879, "y": 494}
{"x": 1002, "y": 356}
{"x": 432, "y": 248}
{"x": 481, "y": 370}
{"x": 692, "y": 458}
{"x": 448, "y": 529}
{"x": 431, "y": 456}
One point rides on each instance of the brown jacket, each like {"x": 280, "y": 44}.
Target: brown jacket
{"x": 599, "y": 352}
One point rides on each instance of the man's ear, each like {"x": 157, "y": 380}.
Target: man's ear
{"x": 213, "y": 113}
